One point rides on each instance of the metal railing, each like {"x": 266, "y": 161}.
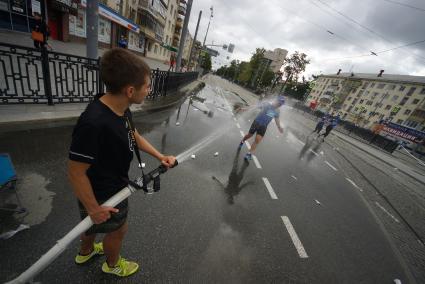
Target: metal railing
{"x": 38, "y": 76}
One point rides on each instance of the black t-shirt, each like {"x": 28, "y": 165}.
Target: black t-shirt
{"x": 102, "y": 139}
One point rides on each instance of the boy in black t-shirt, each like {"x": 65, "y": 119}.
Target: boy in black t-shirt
{"x": 100, "y": 155}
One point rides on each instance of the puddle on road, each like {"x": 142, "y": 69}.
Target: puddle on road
{"x": 34, "y": 196}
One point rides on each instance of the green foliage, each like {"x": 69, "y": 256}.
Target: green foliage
{"x": 206, "y": 61}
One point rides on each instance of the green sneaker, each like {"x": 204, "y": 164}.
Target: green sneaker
{"x": 97, "y": 250}
{"x": 123, "y": 268}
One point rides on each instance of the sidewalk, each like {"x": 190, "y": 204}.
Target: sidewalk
{"x": 12, "y": 115}
{"x": 24, "y": 39}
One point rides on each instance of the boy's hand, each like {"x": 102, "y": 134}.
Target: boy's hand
{"x": 168, "y": 161}
{"x": 102, "y": 214}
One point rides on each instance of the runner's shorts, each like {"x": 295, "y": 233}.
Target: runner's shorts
{"x": 260, "y": 129}
{"x": 112, "y": 224}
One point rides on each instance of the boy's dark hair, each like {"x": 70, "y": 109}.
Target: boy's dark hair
{"x": 120, "y": 68}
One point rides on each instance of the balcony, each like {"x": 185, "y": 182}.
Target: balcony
{"x": 182, "y": 10}
{"x": 179, "y": 23}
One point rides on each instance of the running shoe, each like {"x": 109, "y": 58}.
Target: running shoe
{"x": 123, "y": 268}
{"x": 97, "y": 250}
{"x": 248, "y": 157}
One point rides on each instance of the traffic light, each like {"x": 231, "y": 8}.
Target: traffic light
{"x": 231, "y": 48}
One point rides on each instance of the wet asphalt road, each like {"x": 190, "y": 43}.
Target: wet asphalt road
{"x": 289, "y": 217}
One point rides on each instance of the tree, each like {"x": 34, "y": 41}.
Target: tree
{"x": 294, "y": 66}
{"x": 206, "y": 61}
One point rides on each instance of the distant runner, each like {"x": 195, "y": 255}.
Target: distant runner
{"x": 333, "y": 122}
{"x": 319, "y": 125}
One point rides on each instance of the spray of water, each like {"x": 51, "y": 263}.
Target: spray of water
{"x": 210, "y": 138}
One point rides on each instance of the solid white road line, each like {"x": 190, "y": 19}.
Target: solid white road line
{"x": 385, "y": 210}
{"x": 269, "y": 188}
{"x": 294, "y": 237}
{"x": 238, "y": 125}
{"x": 234, "y": 118}
{"x": 256, "y": 162}
{"x": 294, "y": 177}
{"x": 314, "y": 152}
{"x": 331, "y": 166}
{"x": 355, "y": 185}
{"x": 243, "y": 134}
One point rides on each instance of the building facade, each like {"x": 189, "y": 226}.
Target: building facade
{"x": 366, "y": 99}
{"x": 276, "y": 57}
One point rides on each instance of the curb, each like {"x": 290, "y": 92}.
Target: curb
{"x": 152, "y": 107}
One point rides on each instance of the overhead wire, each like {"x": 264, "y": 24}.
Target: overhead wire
{"x": 366, "y": 28}
{"x": 405, "y": 5}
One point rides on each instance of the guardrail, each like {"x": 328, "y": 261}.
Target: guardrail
{"x": 39, "y": 76}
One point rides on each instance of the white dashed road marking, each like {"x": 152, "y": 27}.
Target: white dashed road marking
{"x": 314, "y": 152}
{"x": 355, "y": 185}
{"x": 331, "y": 166}
{"x": 256, "y": 162}
{"x": 294, "y": 237}
{"x": 238, "y": 125}
{"x": 294, "y": 177}
{"x": 242, "y": 134}
{"x": 385, "y": 210}
{"x": 299, "y": 141}
{"x": 269, "y": 188}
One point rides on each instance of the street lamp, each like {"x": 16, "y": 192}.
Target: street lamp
{"x": 211, "y": 16}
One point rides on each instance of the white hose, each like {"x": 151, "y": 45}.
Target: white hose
{"x": 63, "y": 243}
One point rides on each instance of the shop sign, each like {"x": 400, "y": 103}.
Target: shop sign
{"x": 18, "y": 6}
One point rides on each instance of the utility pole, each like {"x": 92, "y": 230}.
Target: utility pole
{"x": 211, "y": 15}
{"x": 194, "y": 39}
{"x": 92, "y": 27}
{"x": 183, "y": 36}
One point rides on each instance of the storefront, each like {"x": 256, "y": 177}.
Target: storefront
{"x": 58, "y": 12}
{"x": 18, "y": 15}
{"x": 109, "y": 23}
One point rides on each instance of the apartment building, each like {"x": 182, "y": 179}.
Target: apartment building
{"x": 365, "y": 99}
{"x": 276, "y": 57}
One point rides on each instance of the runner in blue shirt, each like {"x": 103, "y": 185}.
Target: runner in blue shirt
{"x": 269, "y": 111}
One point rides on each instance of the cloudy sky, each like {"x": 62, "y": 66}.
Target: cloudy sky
{"x": 316, "y": 28}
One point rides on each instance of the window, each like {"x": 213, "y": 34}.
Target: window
{"x": 375, "y": 95}
{"x": 402, "y": 88}
{"x": 360, "y": 93}
{"x": 378, "y": 104}
{"x": 388, "y": 107}
{"x": 155, "y": 49}
{"x": 403, "y": 101}
{"x": 399, "y": 121}
{"x": 361, "y": 101}
{"x": 172, "y": 9}
{"x": 407, "y": 111}
{"x": 369, "y": 103}
{"x": 394, "y": 98}
{"x": 422, "y": 91}
{"x": 372, "y": 85}
{"x": 391, "y": 87}
{"x": 381, "y": 116}
{"x": 365, "y": 85}
{"x": 410, "y": 92}
{"x": 415, "y": 101}
{"x": 386, "y": 96}
{"x": 349, "y": 98}
{"x": 149, "y": 47}
{"x": 381, "y": 86}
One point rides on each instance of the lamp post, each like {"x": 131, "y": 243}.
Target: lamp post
{"x": 211, "y": 16}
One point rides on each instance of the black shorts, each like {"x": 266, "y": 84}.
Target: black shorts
{"x": 112, "y": 224}
{"x": 328, "y": 130}
{"x": 260, "y": 129}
